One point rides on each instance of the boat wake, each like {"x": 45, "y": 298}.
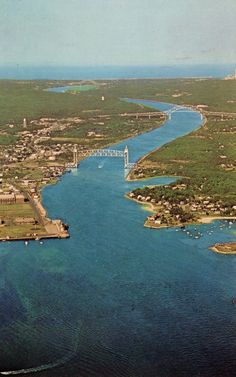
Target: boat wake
{"x": 42, "y": 367}
{"x": 69, "y": 354}
{"x": 101, "y": 165}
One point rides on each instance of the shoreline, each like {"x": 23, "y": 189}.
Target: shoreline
{"x": 227, "y": 248}
{"x": 54, "y": 228}
{"x": 150, "y": 207}
{"x": 224, "y": 248}
{"x": 33, "y": 238}
{"x": 193, "y": 108}
{"x": 202, "y": 220}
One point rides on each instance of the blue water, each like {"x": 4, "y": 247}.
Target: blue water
{"x": 64, "y": 89}
{"x": 117, "y": 299}
{"x": 19, "y": 72}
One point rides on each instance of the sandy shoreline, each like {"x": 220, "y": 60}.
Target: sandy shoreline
{"x": 224, "y": 248}
{"x": 202, "y": 220}
{"x": 209, "y": 219}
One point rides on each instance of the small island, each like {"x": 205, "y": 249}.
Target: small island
{"x": 224, "y": 248}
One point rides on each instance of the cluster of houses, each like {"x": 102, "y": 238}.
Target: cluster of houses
{"x": 30, "y": 147}
{"x": 35, "y": 141}
{"x": 169, "y": 211}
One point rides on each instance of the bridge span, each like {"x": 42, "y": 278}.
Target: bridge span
{"x": 101, "y": 153}
{"x": 77, "y": 154}
{"x": 179, "y": 109}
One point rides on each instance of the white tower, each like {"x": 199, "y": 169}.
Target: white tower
{"x": 75, "y": 156}
{"x": 24, "y": 123}
{"x": 126, "y": 157}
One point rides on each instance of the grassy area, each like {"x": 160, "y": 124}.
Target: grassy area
{"x": 19, "y": 99}
{"x": 106, "y": 131}
{"x": 21, "y": 231}
{"x": 81, "y": 88}
{"x": 7, "y": 139}
{"x": 28, "y": 99}
{"x": 9, "y": 212}
{"x": 206, "y": 156}
{"x": 215, "y": 93}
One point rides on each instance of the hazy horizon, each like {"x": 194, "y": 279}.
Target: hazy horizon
{"x": 59, "y": 72}
{"x": 117, "y": 32}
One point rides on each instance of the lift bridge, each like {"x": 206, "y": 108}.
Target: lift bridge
{"x": 178, "y": 109}
{"x": 77, "y": 154}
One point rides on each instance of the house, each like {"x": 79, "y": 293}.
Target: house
{"x": 25, "y": 220}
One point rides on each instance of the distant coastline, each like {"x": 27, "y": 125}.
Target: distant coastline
{"x": 27, "y": 72}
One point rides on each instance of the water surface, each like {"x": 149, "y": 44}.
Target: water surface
{"x": 21, "y": 72}
{"x": 117, "y": 299}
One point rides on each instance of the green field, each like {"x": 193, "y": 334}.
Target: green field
{"x": 9, "y": 213}
{"x": 199, "y": 157}
{"x": 81, "y": 88}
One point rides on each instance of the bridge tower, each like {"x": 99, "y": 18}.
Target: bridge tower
{"x": 75, "y": 156}
{"x": 126, "y": 157}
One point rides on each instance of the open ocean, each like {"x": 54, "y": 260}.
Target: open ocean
{"x": 19, "y": 72}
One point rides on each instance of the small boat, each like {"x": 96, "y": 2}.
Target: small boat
{"x": 26, "y": 243}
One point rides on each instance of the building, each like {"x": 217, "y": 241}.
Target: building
{"x": 25, "y": 220}
{"x": 231, "y": 77}
{"x": 12, "y": 198}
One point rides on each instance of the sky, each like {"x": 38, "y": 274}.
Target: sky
{"x": 117, "y": 32}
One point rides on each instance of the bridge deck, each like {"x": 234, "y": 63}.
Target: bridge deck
{"x": 101, "y": 153}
